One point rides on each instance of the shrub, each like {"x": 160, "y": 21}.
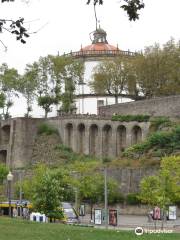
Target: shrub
{"x": 137, "y": 149}
{"x": 133, "y": 199}
{"x": 129, "y": 118}
{"x": 116, "y": 198}
{"x": 47, "y": 129}
{"x": 156, "y": 122}
{"x": 3, "y": 172}
{"x": 161, "y": 139}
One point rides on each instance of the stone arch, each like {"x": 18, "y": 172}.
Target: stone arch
{"x": 81, "y": 138}
{"x": 121, "y": 139}
{"x": 3, "y": 156}
{"x": 5, "y": 134}
{"x": 106, "y": 140}
{"x": 93, "y": 139}
{"x": 136, "y": 135}
{"x": 69, "y": 134}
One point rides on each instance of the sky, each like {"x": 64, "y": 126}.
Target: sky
{"x": 64, "y": 25}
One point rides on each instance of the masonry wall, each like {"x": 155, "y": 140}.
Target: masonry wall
{"x": 165, "y": 106}
{"x": 17, "y": 138}
{"x": 97, "y": 136}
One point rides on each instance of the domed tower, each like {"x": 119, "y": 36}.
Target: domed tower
{"x": 99, "y": 50}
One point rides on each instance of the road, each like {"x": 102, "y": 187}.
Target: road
{"x": 133, "y": 221}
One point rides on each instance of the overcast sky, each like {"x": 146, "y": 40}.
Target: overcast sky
{"x": 65, "y": 25}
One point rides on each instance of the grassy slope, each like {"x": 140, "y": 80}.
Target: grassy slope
{"x": 13, "y": 229}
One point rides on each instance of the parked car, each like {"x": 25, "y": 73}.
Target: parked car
{"x": 70, "y": 213}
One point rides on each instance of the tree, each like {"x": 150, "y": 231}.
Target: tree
{"x": 47, "y": 188}
{"x": 3, "y": 172}
{"x": 67, "y": 73}
{"x": 48, "y": 195}
{"x": 28, "y": 85}
{"x": 9, "y": 87}
{"x": 45, "y": 84}
{"x": 131, "y": 7}
{"x": 46, "y": 102}
{"x": 163, "y": 189}
{"x": 3, "y": 175}
{"x": 155, "y": 72}
{"x": 110, "y": 77}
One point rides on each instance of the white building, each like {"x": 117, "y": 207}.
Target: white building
{"x": 86, "y": 101}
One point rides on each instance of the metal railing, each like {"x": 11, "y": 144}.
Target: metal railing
{"x": 96, "y": 53}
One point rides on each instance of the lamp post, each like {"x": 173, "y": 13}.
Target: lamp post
{"x": 9, "y": 179}
{"x": 105, "y": 197}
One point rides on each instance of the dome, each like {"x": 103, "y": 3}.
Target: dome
{"x": 100, "y": 47}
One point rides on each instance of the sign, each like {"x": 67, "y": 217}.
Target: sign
{"x": 157, "y": 213}
{"x": 97, "y": 216}
{"x": 113, "y": 217}
{"x": 172, "y": 213}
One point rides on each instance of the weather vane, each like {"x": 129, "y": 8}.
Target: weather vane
{"x": 95, "y": 15}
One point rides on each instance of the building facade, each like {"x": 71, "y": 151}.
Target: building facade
{"x": 86, "y": 100}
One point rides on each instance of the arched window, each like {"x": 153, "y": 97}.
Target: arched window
{"x": 136, "y": 135}
{"x": 121, "y": 139}
{"x": 93, "y": 139}
{"x": 3, "y": 156}
{"x": 69, "y": 134}
{"x": 5, "y": 134}
{"x": 107, "y": 141}
{"x": 81, "y": 138}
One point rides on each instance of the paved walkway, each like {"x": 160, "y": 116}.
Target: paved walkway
{"x": 133, "y": 221}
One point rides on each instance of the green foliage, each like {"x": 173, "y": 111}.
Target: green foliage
{"x": 48, "y": 191}
{"x": 70, "y": 156}
{"x": 3, "y": 172}
{"x": 161, "y": 139}
{"x": 9, "y": 80}
{"x": 156, "y": 122}
{"x": 57, "y": 214}
{"x": 130, "y": 118}
{"x": 28, "y": 85}
{"x": 47, "y": 129}
{"x": 91, "y": 188}
{"x": 161, "y": 142}
{"x": 2, "y": 100}
{"x": 27, "y": 189}
{"x": 138, "y": 149}
{"x": 162, "y": 189}
{"x": 45, "y": 102}
{"x": 133, "y": 199}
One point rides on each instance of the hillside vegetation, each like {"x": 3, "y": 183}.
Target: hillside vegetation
{"x": 163, "y": 140}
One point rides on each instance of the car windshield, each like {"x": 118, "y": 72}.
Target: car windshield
{"x": 70, "y": 213}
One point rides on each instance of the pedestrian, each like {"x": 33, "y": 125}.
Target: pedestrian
{"x": 15, "y": 212}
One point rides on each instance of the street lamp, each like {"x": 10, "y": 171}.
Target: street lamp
{"x": 105, "y": 197}
{"x": 9, "y": 179}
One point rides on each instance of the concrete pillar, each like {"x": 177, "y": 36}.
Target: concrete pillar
{"x": 100, "y": 141}
{"x": 128, "y": 136}
{"x": 145, "y": 131}
{"x": 114, "y": 141}
{"x": 86, "y": 142}
{"x": 74, "y": 138}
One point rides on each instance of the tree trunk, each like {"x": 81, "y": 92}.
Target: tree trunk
{"x": 46, "y": 114}
{"x": 116, "y": 99}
